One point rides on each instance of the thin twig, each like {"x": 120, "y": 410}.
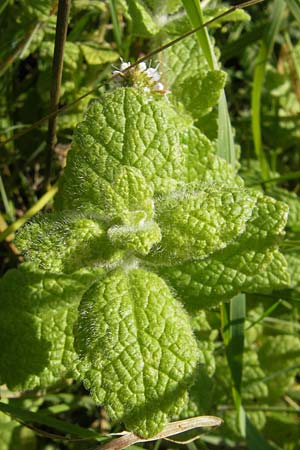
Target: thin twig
{"x": 144, "y": 58}
{"x": 57, "y": 67}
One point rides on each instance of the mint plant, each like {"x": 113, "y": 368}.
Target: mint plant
{"x": 147, "y": 217}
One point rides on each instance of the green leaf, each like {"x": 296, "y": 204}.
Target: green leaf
{"x": 66, "y": 242}
{"x": 255, "y": 421}
{"x": 201, "y": 392}
{"x": 163, "y": 6}
{"x": 37, "y": 8}
{"x": 293, "y": 260}
{"x": 182, "y": 61}
{"x": 250, "y": 263}
{"x": 293, "y": 201}
{"x": 137, "y": 350}
{"x": 95, "y": 54}
{"x": 124, "y": 128}
{"x": 38, "y": 310}
{"x": 254, "y": 386}
{"x": 239, "y": 15}
{"x": 200, "y": 94}
{"x": 201, "y": 221}
{"x": 149, "y": 16}
{"x": 139, "y": 238}
{"x": 128, "y": 194}
{"x": 202, "y": 164}
{"x": 188, "y": 76}
{"x": 143, "y": 23}
{"x": 280, "y": 359}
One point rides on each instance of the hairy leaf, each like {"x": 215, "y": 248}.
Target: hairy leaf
{"x": 250, "y": 263}
{"x": 144, "y": 23}
{"x": 201, "y": 221}
{"x": 200, "y": 94}
{"x": 124, "y": 128}
{"x": 67, "y": 242}
{"x": 293, "y": 201}
{"x": 190, "y": 79}
{"x": 292, "y": 257}
{"x": 137, "y": 351}
{"x": 202, "y": 164}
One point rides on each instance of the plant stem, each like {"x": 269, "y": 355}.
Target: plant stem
{"x": 57, "y": 67}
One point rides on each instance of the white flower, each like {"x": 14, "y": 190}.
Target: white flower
{"x": 159, "y": 87}
{"x": 142, "y": 67}
{"x": 153, "y": 73}
{"x": 124, "y": 65}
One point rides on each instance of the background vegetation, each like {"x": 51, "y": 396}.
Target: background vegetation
{"x": 261, "y": 56}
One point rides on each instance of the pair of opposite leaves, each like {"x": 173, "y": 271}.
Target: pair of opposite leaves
{"x": 146, "y": 212}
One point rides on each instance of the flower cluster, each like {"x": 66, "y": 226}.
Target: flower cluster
{"x": 140, "y": 76}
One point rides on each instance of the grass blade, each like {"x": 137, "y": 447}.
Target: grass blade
{"x": 194, "y": 12}
{"x": 233, "y": 320}
{"x": 258, "y": 81}
{"x": 29, "y": 417}
{"x": 294, "y": 7}
{"x": 116, "y": 26}
{"x": 225, "y": 136}
{"x": 37, "y": 207}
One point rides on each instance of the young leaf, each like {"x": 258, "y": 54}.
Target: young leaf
{"x": 124, "y": 128}
{"x": 66, "y": 242}
{"x": 201, "y": 221}
{"x": 137, "y": 351}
